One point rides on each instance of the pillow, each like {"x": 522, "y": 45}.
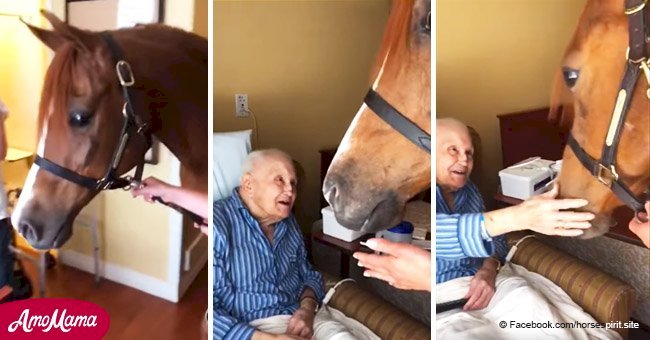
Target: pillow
{"x": 229, "y": 150}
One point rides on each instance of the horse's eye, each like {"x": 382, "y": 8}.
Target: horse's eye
{"x": 426, "y": 23}
{"x": 570, "y": 76}
{"x": 79, "y": 119}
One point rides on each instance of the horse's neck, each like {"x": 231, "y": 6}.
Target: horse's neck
{"x": 171, "y": 82}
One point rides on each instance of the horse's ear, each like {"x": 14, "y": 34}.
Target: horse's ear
{"x": 68, "y": 32}
{"x": 60, "y": 34}
{"x": 60, "y": 26}
{"x": 51, "y": 39}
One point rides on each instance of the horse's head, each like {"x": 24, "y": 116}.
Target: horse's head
{"x": 589, "y": 87}
{"x": 376, "y": 168}
{"x": 80, "y": 118}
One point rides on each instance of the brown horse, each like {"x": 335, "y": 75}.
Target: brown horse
{"x": 589, "y": 90}
{"x": 384, "y": 158}
{"x": 83, "y": 118}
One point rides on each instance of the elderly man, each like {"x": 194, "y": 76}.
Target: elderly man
{"x": 463, "y": 247}
{"x": 261, "y": 270}
{"x": 467, "y": 241}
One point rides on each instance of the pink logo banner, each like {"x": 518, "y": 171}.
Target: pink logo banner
{"x": 52, "y": 319}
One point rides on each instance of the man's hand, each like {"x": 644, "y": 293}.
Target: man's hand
{"x": 481, "y": 288}
{"x": 642, "y": 229}
{"x": 402, "y": 265}
{"x": 301, "y": 323}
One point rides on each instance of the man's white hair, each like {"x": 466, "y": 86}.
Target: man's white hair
{"x": 451, "y": 123}
{"x": 257, "y": 156}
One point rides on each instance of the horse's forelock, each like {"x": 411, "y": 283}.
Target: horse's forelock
{"x": 58, "y": 84}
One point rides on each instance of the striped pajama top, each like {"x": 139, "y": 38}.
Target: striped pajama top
{"x": 462, "y": 243}
{"x": 252, "y": 278}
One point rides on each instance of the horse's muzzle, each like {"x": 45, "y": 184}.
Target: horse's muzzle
{"x": 43, "y": 234}
{"x": 599, "y": 226}
{"x": 369, "y": 212}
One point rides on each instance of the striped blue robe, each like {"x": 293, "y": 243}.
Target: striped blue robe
{"x": 462, "y": 244}
{"x": 252, "y": 278}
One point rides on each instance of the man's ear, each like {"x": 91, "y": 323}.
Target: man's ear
{"x": 246, "y": 183}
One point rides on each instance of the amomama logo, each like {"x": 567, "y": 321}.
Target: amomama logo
{"x": 52, "y": 319}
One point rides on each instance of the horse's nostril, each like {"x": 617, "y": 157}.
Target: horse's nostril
{"x": 329, "y": 191}
{"x": 27, "y": 231}
{"x": 332, "y": 195}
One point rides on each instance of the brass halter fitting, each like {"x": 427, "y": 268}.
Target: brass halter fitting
{"x": 129, "y": 80}
{"x": 645, "y": 66}
{"x": 607, "y": 175}
{"x": 636, "y": 9}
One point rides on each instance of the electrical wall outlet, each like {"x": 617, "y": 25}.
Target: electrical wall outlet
{"x": 241, "y": 105}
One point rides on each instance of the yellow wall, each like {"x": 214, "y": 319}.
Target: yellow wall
{"x": 22, "y": 66}
{"x": 305, "y": 67}
{"x": 498, "y": 56}
{"x": 201, "y": 17}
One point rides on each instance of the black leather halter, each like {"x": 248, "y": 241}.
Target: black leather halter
{"x": 396, "y": 119}
{"x": 637, "y": 62}
{"x": 131, "y": 126}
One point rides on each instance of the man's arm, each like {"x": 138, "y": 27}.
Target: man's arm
{"x": 312, "y": 279}
{"x": 461, "y": 235}
{"x": 308, "y": 299}
{"x": 225, "y": 326}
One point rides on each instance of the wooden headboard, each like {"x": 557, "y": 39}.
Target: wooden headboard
{"x": 529, "y": 134}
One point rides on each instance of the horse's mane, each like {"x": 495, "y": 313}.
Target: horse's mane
{"x": 58, "y": 83}
{"x": 395, "y": 33}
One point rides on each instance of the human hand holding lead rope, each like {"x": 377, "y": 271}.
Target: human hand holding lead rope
{"x": 191, "y": 203}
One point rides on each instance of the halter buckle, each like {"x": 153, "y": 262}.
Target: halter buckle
{"x": 133, "y": 183}
{"x": 635, "y": 9}
{"x": 129, "y": 80}
{"x": 606, "y": 175}
{"x": 645, "y": 66}
{"x": 142, "y": 128}
{"x": 104, "y": 184}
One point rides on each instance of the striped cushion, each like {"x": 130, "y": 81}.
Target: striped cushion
{"x": 606, "y": 298}
{"x": 380, "y": 317}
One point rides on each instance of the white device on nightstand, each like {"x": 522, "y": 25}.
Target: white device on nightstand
{"x": 332, "y": 228}
{"x": 527, "y": 178}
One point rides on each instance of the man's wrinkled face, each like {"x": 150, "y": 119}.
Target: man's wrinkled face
{"x": 454, "y": 157}
{"x": 273, "y": 187}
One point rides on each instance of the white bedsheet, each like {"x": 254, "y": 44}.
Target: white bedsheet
{"x": 521, "y": 296}
{"x": 329, "y": 324}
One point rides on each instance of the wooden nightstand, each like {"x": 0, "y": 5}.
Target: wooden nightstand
{"x": 345, "y": 249}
